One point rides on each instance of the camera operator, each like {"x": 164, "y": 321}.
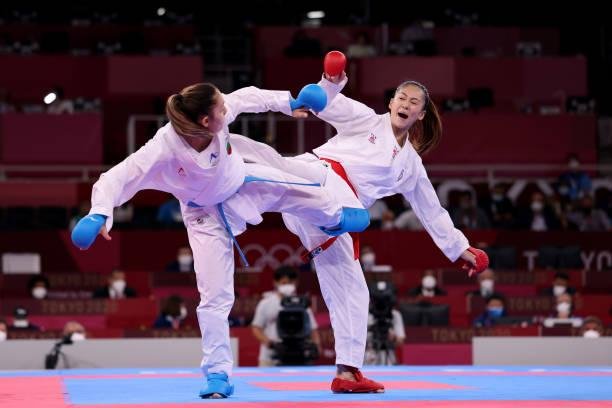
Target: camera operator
{"x": 73, "y": 332}
{"x": 267, "y": 312}
{"x": 385, "y": 326}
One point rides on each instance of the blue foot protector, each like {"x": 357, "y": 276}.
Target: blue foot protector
{"x": 351, "y": 220}
{"x": 217, "y": 383}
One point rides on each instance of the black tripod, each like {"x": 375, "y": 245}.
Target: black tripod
{"x": 52, "y": 358}
{"x": 383, "y": 348}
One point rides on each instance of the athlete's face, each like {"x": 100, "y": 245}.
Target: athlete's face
{"x": 407, "y": 106}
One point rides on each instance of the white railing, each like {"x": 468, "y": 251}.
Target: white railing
{"x": 270, "y": 119}
{"x": 469, "y": 172}
{"x": 490, "y": 173}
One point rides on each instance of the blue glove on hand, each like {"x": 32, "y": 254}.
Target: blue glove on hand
{"x": 85, "y": 232}
{"x": 312, "y": 96}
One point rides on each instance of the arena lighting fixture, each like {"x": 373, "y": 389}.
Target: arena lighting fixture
{"x": 161, "y": 11}
{"x": 50, "y": 98}
{"x": 315, "y": 14}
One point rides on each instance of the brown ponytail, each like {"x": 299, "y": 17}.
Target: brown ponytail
{"x": 185, "y": 109}
{"x": 425, "y": 134}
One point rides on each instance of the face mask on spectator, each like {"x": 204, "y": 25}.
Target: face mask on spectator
{"x": 286, "y": 289}
{"x": 591, "y": 334}
{"x": 428, "y": 282}
{"x": 118, "y": 285}
{"x": 185, "y": 259}
{"x": 368, "y": 259}
{"x": 21, "y": 323}
{"x": 537, "y": 206}
{"x": 564, "y": 307}
{"x": 496, "y": 311}
{"x": 498, "y": 196}
{"x": 573, "y": 164}
{"x": 558, "y": 290}
{"x": 486, "y": 285}
{"x": 3, "y": 335}
{"x": 183, "y": 314}
{"x": 39, "y": 292}
{"x": 76, "y": 337}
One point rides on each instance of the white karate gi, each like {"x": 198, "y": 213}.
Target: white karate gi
{"x": 167, "y": 163}
{"x": 377, "y": 167}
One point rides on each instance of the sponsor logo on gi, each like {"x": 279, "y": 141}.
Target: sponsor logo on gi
{"x": 181, "y": 172}
{"x": 372, "y": 138}
{"x": 395, "y": 152}
{"x": 401, "y": 175}
{"x": 214, "y": 157}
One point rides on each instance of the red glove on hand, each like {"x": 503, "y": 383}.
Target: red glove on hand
{"x": 482, "y": 262}
{"x": 334, "y": 63}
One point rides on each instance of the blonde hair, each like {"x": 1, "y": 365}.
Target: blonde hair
{"x": 186, "y": 108}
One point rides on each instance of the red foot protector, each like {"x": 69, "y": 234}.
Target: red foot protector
{"x": 362, "y": 385}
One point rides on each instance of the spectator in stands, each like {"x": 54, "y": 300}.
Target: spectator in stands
{"x": 362, "y": 47}
{"x": 21, "y": 322}
{"x": 408, "y": 220}
{"x": 60, "y": 105}
{"x": 172, "y": 314}
{"x": 116, "y": 289}
{"x": 3, "y": 330}
{"x": 39, "y": 287}
{"x": 367, "y": 257}
{"x": 74, "y": 331}
{"x": 169, "y": 214}
{"x": 560, "y": 285}
{"x": 500, "y": 208}
{"x": 574, "y": 183}
{"x": 183, "y": 261}
{"x": 564, "y": 313}
{"x": 388, "y": 221}
{"x": 468, "y": 215}
{"x": 585, "y": 217}
{"x": 302, "y": 45}
{"x": 378, "y": 211}
{"x": 539, "y": 216}
{"x": 486, "y": 281}
{"x": 564, "y": 308}
{"x": 495, "y": 310}
{"x": 428, "y": 288}
{"x": 266, "y": 313}
{"x": 592, "y": 327}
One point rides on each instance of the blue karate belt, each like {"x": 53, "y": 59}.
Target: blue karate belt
{"x": 228, "y": 228}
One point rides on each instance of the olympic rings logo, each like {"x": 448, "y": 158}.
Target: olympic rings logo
{"x": 275, "y": 256}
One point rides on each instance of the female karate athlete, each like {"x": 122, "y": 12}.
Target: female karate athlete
{"x": 192, "y": 158}
{"x": 377, "y": 156}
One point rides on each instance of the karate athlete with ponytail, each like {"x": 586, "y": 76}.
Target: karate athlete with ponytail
{"x": 192, "y": 158}
{"x": 377, "y": 156}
